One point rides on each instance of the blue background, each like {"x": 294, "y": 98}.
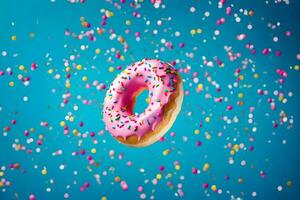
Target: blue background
{"x": 49, "y": 20}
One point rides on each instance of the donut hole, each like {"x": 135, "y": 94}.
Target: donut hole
{"x": 140, "y": 101}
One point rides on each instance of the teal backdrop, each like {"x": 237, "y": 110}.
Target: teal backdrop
{"x": 227, "y": 141}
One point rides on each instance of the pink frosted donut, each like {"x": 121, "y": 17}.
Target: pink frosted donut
{"x": 166, "y": 96}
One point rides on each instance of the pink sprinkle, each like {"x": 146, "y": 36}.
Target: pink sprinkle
{"x": 262, "y": 174}
{"x": 229, "y": 107}
{"x": 137, "y": 34}
{"x": 161, "y": 168}
{"x": 140, "y": 189}
{"x": 288, "y": 33}
{"x": 194, "y": 170}
{"x": 281, "y": 72}
{"x": 198, "y": 143}
{"x": 220, "y": 21}
{"x": 31, "y": 197}
{"x": 129, "y": 163}
{"x": 241, "y": 36}
{"x": 265, "y": 51}
{"x": 124, "y": 185}
{"x": 86, "y": 184}
{"x": 39, "y": 142}
{"x": 281, "y": 81}
{"x": 82, "y": 188}
{"x": 278, "y": 53}
{"x": 33, "y": 66}
{"x": 228, "y": 11}
{"x": 26, "y": 132}
{"x": 259, "y": 91}
{"x": 89, "y": 157}
{"x": 181, "y": 44}
{"x": 92, "y": 134}
{"x": 118, "y": 68}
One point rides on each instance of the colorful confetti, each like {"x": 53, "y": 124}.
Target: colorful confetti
{"x": 236, "y": 136}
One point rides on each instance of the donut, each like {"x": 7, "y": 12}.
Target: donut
{"x": 165, "y": 93}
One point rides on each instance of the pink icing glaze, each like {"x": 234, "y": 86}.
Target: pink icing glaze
{"x": 156, "y": 76}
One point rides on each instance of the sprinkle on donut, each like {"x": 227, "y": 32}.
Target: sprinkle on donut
{"x": 160, "y": 78}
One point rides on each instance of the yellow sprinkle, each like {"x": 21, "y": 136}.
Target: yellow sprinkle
{"x": 110, "y": 14}
{"x": 111, "y": 69}
{"x": 121, "y": 39}
{"x": 148, "y": 100}
{"x": 158, "y": 176}
{"x": 206, "y": 166}
{"x": 44, "y": 171}
{"x": 196, "y": 131}
{"x": 93, "y": 150}
{"x": 214, "y": 188}
{"x": 98, "y": 51}
{"x": 177, "y": 167}
{"x": 104, "y": 198}
{"x": 75, "y": 131}
{"x": 50, "y": 71}
{"x": 241, "y": 77}
{"x": 256, "y": 75}
{"x": 41, "y": 137}
{"x": 207, "y": 119}
{"x": 240, "y": 95}
{"x": 11, "y": 84}
{"x": 84, "y": 78}
{"x": 13, "y": 38}
{"x": 68, "y": 69}
{"x": 200, "y": 86}
{"x": 22, "y": 67}
{"x": 71, "y": 119}
{"x": 79, "y": 67}
{"x": 62, "y": 123}
{"x": 232, "y": 152}
{"x": 117, "y": 179}
{"x": 236, "y": 147}
{"x": 193, "y": 31}
{"x": 289, "y": 183}
{"x": 128, "y": 22}
{"x": 166, "y": 152}
{"x": 199, "y": 30}
{"x": 68, "y": 84}
{"x": 1, "y": 173}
